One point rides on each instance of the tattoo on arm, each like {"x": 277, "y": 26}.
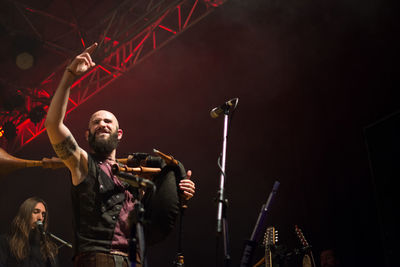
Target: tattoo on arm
{"x": 66, "y": 148}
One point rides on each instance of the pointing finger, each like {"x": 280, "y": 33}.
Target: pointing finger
{"x": 91, "y": 48}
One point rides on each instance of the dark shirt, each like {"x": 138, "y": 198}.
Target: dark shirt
{"x": 122, "y": 227}
{"x": 34, "y": 258}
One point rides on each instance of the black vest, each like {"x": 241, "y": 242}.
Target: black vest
{"x": 97, "y": 202}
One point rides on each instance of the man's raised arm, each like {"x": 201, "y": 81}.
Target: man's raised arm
{"x": 60, "y": 137}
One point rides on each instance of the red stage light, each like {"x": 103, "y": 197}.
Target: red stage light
{"x": 83, "y": 43}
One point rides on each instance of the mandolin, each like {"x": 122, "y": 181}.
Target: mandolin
{"x": 308, "y": 258}
{"x": 270, "y": 239}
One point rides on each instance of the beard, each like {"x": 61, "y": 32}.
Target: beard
{"x": 103, "y": 147}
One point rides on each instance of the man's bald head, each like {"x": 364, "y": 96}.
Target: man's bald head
{"x": 104, "y": 114}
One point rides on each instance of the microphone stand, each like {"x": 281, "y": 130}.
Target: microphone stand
{"x": 137, "y": 233}
{"x": 137, "y": 237}
{"x": 179, "y": 258}
{"x": 64, "y": 243}
{"x": 222, "y": 223}
{"x": 40, "y": 227}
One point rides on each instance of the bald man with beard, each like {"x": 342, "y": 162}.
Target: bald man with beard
{"x": 101, "y": 202}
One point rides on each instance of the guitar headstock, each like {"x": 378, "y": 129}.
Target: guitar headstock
{"x": 308, "y": 258}
{"x": 270, "y": 239}
{"x": 270, "y": 236}
{"x": 301, "y": 236}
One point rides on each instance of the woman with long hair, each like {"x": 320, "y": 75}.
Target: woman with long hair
{"x": 25, "y": 244}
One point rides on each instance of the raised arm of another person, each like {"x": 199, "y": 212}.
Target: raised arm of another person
{"x": 64, "y": 144}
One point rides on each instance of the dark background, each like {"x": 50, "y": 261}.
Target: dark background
{"x": 314, "y": 79}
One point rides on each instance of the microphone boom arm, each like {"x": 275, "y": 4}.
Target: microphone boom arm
{"x": 65, "y": 243}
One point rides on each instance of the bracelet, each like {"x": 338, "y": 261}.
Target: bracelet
{"x": 70, "y": 71}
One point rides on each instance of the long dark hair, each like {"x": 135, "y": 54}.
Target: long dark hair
{"x": 20, "y": 229}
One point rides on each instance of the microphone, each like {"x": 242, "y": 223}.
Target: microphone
{"x": 215, "y": 112}
{"x": 40, "y": 226}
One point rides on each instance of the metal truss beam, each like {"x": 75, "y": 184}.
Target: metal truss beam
{"x": 119, "y": 51}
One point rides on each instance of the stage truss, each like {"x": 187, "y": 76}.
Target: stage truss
{"x": 120, "y": 49}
